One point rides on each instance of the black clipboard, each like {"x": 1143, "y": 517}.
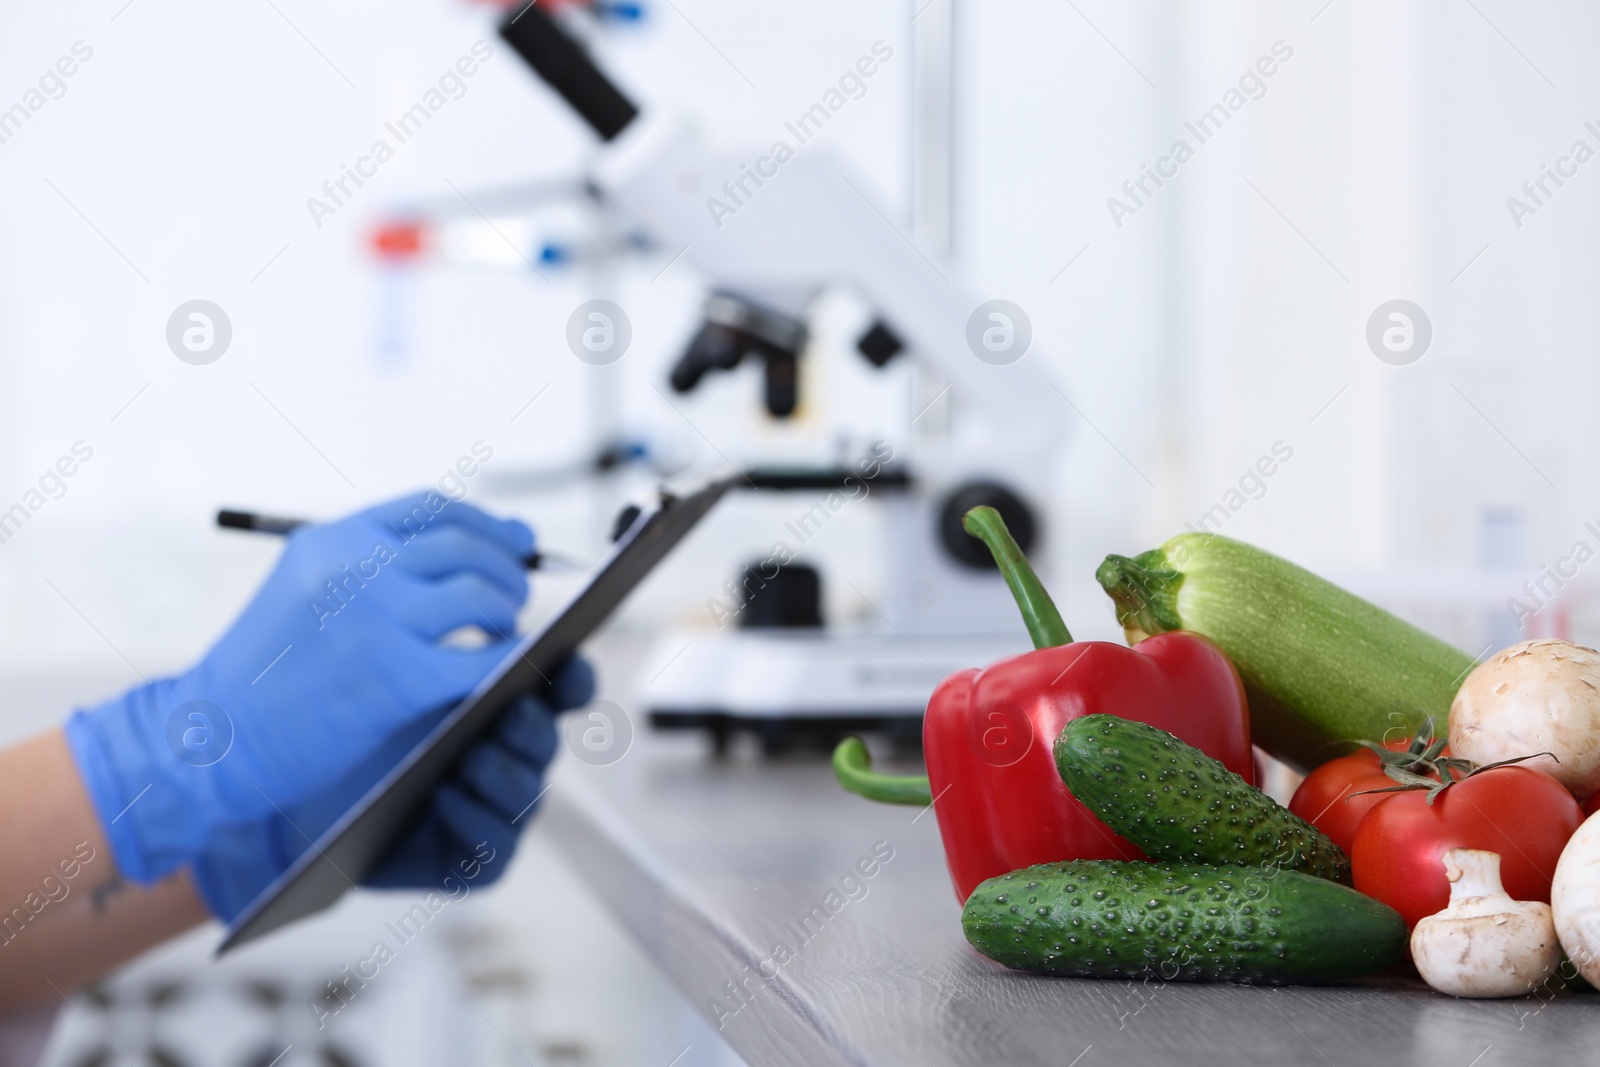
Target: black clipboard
{"x": 352, "y": 846}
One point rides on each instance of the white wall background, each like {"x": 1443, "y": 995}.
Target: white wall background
{"x": 1387, "y": 148}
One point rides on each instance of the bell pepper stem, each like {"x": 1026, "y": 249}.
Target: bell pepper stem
{"x": 1038, "y": 610}
{"x": 852, "y": 765}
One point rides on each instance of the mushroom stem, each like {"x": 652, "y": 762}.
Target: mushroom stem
{"x": 1474, "y": 873}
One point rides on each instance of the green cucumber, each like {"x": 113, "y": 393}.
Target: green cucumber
{"x": 1180, "y": 805}
{"x": 1321, "y": 666}
{"x": 1181, "y": 922}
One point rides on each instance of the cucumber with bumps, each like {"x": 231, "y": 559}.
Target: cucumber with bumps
{"x": 1181, "y": 922}
{"x": 1178, "y": 804}
{"x": 1321, "y": 666}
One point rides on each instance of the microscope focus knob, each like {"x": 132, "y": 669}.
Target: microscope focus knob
{"x": 968, "y": 550}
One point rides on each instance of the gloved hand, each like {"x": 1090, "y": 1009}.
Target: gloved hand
{"x": 469, "y": 831}
{"x": 339, "y": 650}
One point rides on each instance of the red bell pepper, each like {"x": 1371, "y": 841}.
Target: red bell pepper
{"x": 988, "y": 734}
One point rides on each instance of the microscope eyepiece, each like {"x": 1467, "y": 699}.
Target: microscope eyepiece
{"x": 560, "y": 60}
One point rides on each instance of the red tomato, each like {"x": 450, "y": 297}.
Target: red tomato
{"x": 1592, "y": 805}
{"x": 1326, "y": 798}
{"x": 1523, "y": 814}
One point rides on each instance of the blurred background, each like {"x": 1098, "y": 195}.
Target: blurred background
{"x": 1185, "y": 326}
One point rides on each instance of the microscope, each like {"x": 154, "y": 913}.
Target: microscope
{"x": 771, "y": 232}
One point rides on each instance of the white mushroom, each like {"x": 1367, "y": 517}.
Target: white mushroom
{"x": 1537, "y": 696}
{"x": 1575, "y": 899}
{"x": 1484, "y": 944}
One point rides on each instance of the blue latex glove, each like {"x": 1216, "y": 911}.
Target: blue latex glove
{"x": 469, "y": 831}
{"x": 338, "y": 652}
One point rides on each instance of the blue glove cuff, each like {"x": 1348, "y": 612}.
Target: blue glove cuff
{"x": 155, "y": 808}
{"x": 106, "y": 793}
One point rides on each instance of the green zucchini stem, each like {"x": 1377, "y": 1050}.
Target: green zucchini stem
{"x": 852, "y": 765}
{"x": 1145, "y": 591}
{"x": 1038, "y": 610}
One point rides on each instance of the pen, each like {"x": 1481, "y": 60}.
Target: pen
{"x": 230, "y": 519}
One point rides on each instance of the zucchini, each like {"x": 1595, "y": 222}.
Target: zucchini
{"x": 1321, "y": 666}
{"x": 1181, "y": 922}
{"x": 1180, "y": 805}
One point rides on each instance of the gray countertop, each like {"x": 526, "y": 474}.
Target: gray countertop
{"x": 713, "y": 865}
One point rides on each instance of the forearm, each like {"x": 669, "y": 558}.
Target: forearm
{"x": 66, "y": 917}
